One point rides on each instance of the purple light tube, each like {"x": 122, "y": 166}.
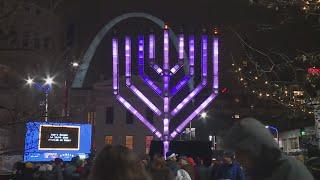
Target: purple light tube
{"x": 181, "y": 47}
{"x": 165, "y": 50}
{"x": 180, "y": 85}
{"x": 165, "y": 148}
{"x": 151, "y": 84}
{"x": 215, "y": 63}
{"x": 145, "y": 100}
{"x": 175, "y": 69}
{"x": 151, "y": 46}
{"x": 128, "y": 56}
{"x": 157, "y": 69}
{"x": 191, "y": 55}
{"x": 186, "y": 100}
{"x": 193, "y": 115}
{"x": 166, "y": 104}
{"x": 204, "y": 55}
{"x": 141, "y": 55}
{"x": 127, "y": 105}
{"x": 115, "y": 62}
{"x": 166, "y": 79}
{"x": 165, "y": 126}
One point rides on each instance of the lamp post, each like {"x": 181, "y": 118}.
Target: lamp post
{"x": 275, "y": 129}
{"x": 45, "y": 87}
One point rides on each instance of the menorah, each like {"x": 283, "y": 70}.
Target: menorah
{"x": 165, "y": 92}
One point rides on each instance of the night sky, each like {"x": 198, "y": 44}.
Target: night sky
{"x": 289, "y": 33}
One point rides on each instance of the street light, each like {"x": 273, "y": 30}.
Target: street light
{"x": 275, "y": 129}
{"x": 75, "y": 64}
{"x": 30, "y": 81}
{"x": 43, "y": 87}
{"x": 48, "y": 81}
{"x": 204, "y": 115}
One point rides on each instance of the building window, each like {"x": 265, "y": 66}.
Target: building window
{"x": 46, "y": 43}
{"x": 25, "y": 39}
{"x": 129, "y": 117}
{"x": 36, "y": 42}
{"x": 129, "y": 142}
{"x": 148, "y": 143}
{"x": 149, "y": 115}
{"x": 108, "y": 140}
{"x": 284, "y": 145}
{"x": 294, "y": 143}
{"x": 92, "y": 117}
{"x": 109, "y": 115}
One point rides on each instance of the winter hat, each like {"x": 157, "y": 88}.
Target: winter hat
{"x": 191, "y": 161}
{"x": 170, "y": 155}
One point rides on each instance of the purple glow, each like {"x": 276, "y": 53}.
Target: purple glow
{"x": 165, "y": 50}
{"x": 115, "y": 62}
{"x": 165, "y": 126}
{"x": 166, "y": 79}
{"x": 191, "y": 55}
{"x": 166, "y": 91}
{"x": 141, "y": 54}
{"x": 128, "y": 56}
{"x": 181, "y": 46}
{"x": 215, "y": 63}
{"x": 166, "y": 104}
{"x": 175, "y": 69}
{"x": 157, "y": 69}
{"x": 186, "y": 100}
{"x": 145, "y": 78}
{"x": 128, "y": 106}
{"x": 193, "y": 115}
{"x": 204, "y": 55}
{"x": 165, "y": 148}
{"x": 180, "y": 85}
{"x": 151, "y": 46}
{"x": 145, "y": 100}
{"x": 151, "y": 84}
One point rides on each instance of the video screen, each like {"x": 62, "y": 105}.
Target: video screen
{"x": 57, "y": 137}
{"x": 46, "y": 141}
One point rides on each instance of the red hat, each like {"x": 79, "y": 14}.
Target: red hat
{"x": 191, "y": 161}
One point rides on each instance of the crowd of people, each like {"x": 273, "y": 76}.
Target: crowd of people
{"x": 254, "y": 156}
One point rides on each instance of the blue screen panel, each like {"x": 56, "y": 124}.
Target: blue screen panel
{"x": 46, "y": 141}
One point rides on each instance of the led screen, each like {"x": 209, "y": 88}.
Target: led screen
{"x": 46, "y": 141}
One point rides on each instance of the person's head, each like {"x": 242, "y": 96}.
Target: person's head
{"x": 58, "y": 162}
{"x": 171, "y": 156}
{"x": 117, "y": 163}
{"x": 228, "y": 157}
{"x": 254, "y": 145}
{"x": 158, "y": 163}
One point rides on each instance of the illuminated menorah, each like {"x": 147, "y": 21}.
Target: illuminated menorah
{"x": 166, "y": 73}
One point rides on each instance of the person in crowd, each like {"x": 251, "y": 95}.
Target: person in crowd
{"x": 117, "y": 163}
{"x": 57, "y": 170}
{"x": 145, "y": 160}
{"x": 260, "y": 155}
{"x": 159, "y": 170}
{"x": 187, "y": 165}
{"x": 229, "y": 169}
{"x": 182, "y": 174}
{"x": 172, "y": 162}
{"x": 215, "y": 164}
{"x": 70, "y": 169}
{"x": 202, "y": 170}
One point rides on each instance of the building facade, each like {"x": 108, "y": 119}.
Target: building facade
{"x": 112, "y": 123}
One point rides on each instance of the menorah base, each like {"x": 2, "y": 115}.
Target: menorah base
{"x": 165, "y": 148}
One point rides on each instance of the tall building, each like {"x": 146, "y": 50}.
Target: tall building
{"x": 32, "y": 43}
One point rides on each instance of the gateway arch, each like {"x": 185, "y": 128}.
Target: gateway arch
{"x": 87, "y": 58}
